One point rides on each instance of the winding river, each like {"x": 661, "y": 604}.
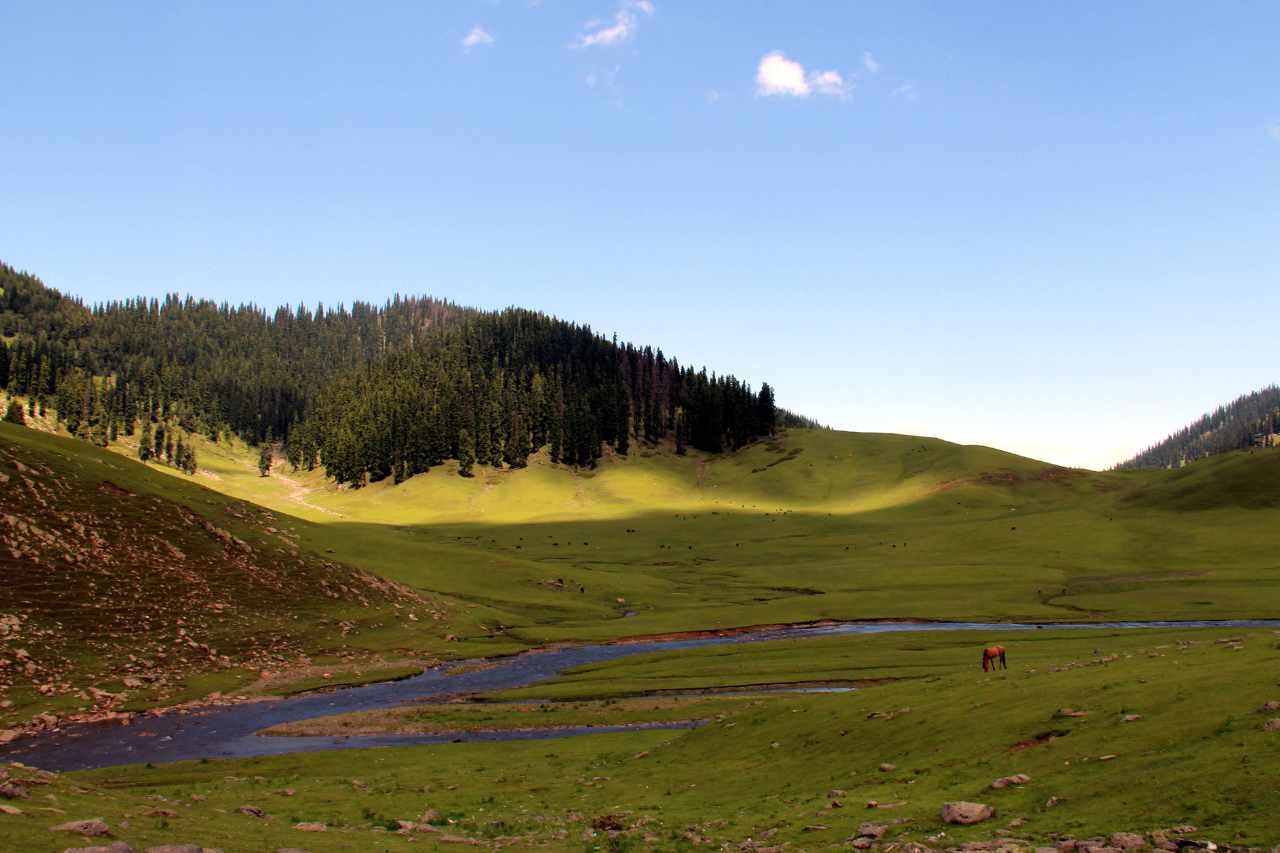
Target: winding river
{"x": 230, "y": 731}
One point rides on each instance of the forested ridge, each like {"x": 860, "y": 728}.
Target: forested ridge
{"x": 367, "y": 392}
{"x": 1252, "y": 420}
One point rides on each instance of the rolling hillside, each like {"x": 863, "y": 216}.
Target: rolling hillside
{"x": 125, "y": 589}
{"x": 283, "y": 573}
{"x": 810, "y": 525}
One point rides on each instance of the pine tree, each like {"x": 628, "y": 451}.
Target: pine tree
{"x": 766, "y": 411}
{"x": 466, "y": 453}
{"x": 13, "y": 414}
{"x": 518, "y": 448}
{"x": 264, "y": 460}
{"x": 622, "y": 441}
{"x": 144, "y": 443}
{"x": 157, "y": 445}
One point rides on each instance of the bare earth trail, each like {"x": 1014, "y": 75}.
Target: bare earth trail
{"x": 298, "y": 494}
{"x": 231, "y": 731}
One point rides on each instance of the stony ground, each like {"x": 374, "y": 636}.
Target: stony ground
{"x": 116, "y": 598}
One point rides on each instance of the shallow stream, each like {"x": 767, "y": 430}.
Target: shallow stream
{"x": 230, "y": 731}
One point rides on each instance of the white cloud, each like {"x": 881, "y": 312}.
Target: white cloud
{"x": 1273, "y": 130}
{"x": 713, "y": 96}
{"x": 478, "y": 36}
{"x": 870, "y": 63}
{"x": 827, "y": 83}
{"x": 778, "y": 76}
{"x": 906, "y": 92}
{"x": 623, "y": 26}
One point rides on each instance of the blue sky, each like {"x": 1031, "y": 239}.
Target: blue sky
{"x": 1052, "y": 228}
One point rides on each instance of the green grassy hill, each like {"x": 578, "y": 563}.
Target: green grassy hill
{"x": 810, "y": 525}
{"x": 125, "y": 589}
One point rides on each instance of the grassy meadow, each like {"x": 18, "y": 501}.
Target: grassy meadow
{"x": 808, "y": 526}
{"x": 1136, "y": 731}
{"x": 812, "y": 525}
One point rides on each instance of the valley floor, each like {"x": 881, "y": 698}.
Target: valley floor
{"x": 1141, "y": 731}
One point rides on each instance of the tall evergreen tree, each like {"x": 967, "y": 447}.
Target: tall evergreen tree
{"x": 144, "y": 442}
{"x": 466, "y": 453}
{"x": 13, "y": 413}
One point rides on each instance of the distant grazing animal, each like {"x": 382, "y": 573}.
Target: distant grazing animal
{"x": 990, "y": 655}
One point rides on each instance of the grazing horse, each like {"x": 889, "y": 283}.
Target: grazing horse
{"x": 990, "y": 655}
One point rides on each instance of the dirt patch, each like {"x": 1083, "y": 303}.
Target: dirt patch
{"x": 1039, "y": 740}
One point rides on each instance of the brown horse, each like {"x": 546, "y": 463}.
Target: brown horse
{"x": 990, "y": 655}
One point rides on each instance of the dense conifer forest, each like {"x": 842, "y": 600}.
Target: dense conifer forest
{"x": 368, "y": 392}
{"x": 1249, "y": 421}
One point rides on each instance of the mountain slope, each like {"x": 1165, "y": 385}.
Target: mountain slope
{"x": 369, "y": 393}
{"x": 1252, "y": 420}
{"x": 808, "y": 525}
{"x": 119, "y": 579}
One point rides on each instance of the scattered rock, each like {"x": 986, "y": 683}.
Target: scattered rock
{"x": 118, "y": 847}
{"x": 966, "y": 814}
{"x": 862, "y": 843}
{"x": 92, "y": 828}
{"x": 10, "y": 810}
{"x": 1070, "y": 712}
{"x": 431, "y": 816}
{"x": 1131, "y": 718}
{"x": 1127, "y": 840}
{"x": 872, "y": 830}
{"x": 310, "y": 827}
{"x": 252, "y": 811}
{"x": 837, "y": 794}
{"x": 886, "y": 767}
{"x": 1267, "y": 708}
{"x": 816, "y": 827}
{"x": 1108, "y": 757}
{"x": 1051, "y": 802}
{"x": 607, "y": 822}
{"x": 1006, "y": 781}
{"x": 159, "y": 813}
{"x": 1272, "y": 725}
{"x": 13, "y": 791}
{"x": 887, "y": 715}
{"x": 8, "y": 735}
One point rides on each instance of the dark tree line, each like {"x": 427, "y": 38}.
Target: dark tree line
{"x": 1249, "y": 421}
{"x": 368, "y": 392}
{"x": 211, "y": 366}
{"x": 495, "y": 388}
